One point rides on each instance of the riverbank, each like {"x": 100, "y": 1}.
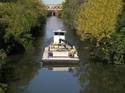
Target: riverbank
{"x": 92, "y": 22}
{"x": 17, "y": 23}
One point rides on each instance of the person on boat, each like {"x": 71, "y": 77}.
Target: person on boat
{"x": 71, "y": 52}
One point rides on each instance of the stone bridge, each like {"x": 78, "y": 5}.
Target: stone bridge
{"x": 54, "y": 9}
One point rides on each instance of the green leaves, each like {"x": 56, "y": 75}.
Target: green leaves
{"x": 69, "y": 12}
{"x": 1, "y": 90}
{"x": 17, "y": 18}
{"x": 98, "y": 17}
{"x": 2, "y": 56}
{"x": 101, "y": 21}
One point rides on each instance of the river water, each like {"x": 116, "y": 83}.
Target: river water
{"x": 25, "y": 73}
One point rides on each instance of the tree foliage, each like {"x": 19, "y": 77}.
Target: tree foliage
{"x": 69, "y": 12}
{"x": 103, "y": 23}
{"x": 17, "y": 18}
{"x": 98, "y": 17}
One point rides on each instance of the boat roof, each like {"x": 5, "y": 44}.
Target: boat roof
{"x": 59, "y": 30}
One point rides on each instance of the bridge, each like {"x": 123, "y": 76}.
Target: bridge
{"x": 54, "y": 9}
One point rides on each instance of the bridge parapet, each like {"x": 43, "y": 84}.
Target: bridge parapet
{"x": 54, "y": 7}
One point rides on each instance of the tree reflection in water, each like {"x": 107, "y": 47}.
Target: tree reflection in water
{"x": 18, "y": 72}
{"x": 103, "y": 79}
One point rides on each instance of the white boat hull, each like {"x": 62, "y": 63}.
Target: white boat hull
{"x": 58, "y": 56}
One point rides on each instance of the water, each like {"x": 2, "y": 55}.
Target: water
{"x": 26, "y": 74}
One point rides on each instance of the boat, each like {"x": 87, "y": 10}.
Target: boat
{"x": 60, "y": 50}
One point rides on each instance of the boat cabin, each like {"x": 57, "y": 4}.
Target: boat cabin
{"x": 58, "y": 34}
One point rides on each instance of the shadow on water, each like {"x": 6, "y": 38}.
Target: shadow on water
{"x": 100, "y": 78}
{"x": 18, "y": 71}
{"x": 25, "y": 74}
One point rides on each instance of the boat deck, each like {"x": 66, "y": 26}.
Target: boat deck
{"x": 45, "y": 57}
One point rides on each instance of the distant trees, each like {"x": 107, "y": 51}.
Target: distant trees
{"x": 102, "y": 22}
{"x": 69, "y": 13}
{"x": 17, "y": 17}
{"x": 8, "y": 0}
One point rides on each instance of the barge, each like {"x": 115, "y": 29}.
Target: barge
{"x": 60, "y": 50}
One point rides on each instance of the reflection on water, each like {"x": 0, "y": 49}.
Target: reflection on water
{"x": 26, "y": 74}
{"x": 61, "y": 67}
{"x": 103, "y": 79}
{"x": 55, "y": 79}
{"x": 17, "y": 72}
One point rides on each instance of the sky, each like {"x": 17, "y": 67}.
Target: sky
{"x": 52, "y": 1}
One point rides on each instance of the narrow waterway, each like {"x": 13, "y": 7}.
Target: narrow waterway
{"x": 26, "y": 74}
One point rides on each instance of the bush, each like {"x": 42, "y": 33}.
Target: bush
{"x": 16, "y": 21}
{"x": 2, "y": 56}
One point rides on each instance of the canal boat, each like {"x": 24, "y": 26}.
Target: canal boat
{"x": 60, "y": 49}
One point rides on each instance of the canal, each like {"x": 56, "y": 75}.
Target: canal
{"x": 25, "y": 73}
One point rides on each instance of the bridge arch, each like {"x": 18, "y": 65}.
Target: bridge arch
{"x": 54, "y": 9}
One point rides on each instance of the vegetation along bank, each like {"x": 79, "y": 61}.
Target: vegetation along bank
{"x": 18, "y": 21}
{"x": 102, "y": 22}
{"x": 18, "y": 18}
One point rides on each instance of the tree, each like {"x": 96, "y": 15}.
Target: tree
{"x": 16, "y": 21}
{"x": 98, "y": 17}
{"x": 69, "y": 12}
